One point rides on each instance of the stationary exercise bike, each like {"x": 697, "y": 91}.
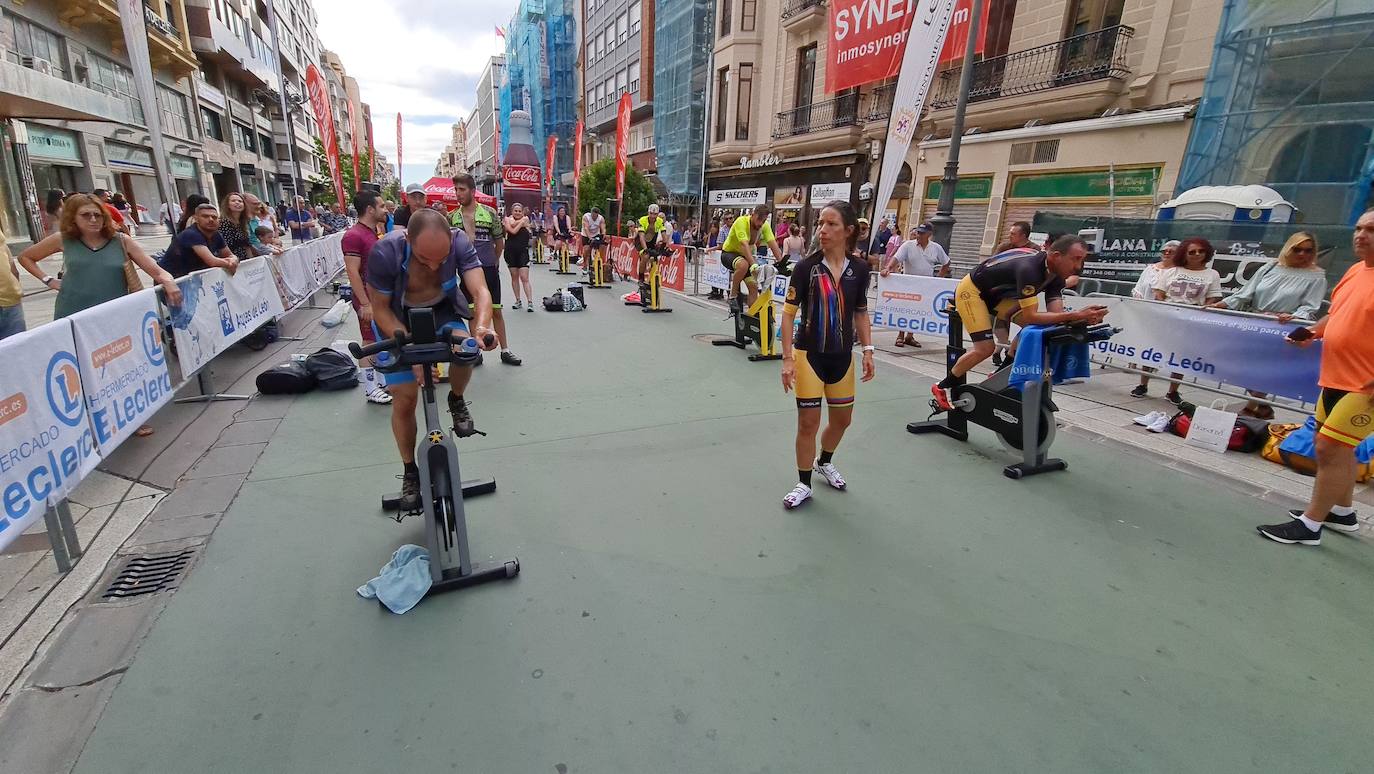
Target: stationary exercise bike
{"x": 539, "y": 255}
{"x": 650, "y": 297}
{"x": 758, "y": 323}
{"x": 598, "y": 272}
{"x": 1023, "y": 420}
{"x": 562, "y": 266}
{"x": 446, "y": 531}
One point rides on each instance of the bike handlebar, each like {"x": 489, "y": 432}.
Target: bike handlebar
{"x": 401, "y": 339}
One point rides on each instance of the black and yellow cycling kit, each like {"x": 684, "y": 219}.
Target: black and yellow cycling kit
{"x": 1001, "y": 286}
{"x": 825, "y": 339}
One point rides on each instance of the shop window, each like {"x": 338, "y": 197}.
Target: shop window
{"x": 744, "y": 94}
{"x": 722, "y": 97}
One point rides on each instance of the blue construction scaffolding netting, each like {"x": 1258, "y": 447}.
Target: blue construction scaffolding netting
{"x": 1288, "y": 103}
{"x": 541, "y": 78}
{"x": 682, "y": 49}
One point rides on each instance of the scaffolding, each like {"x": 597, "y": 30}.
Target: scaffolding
{"x": 1288, "y": 104}
{"x": 682, "y": 50}
{"x": 541, "y": 77}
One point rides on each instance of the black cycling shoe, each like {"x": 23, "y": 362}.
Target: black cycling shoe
{"x": 1292, "y": 532}
{"x": 410, "y": 491}
{"x": 509, "y": 358}
{"x": 463, "y": 426}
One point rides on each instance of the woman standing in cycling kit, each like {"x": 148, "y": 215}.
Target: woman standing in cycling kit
{"x": 830, "y": 290}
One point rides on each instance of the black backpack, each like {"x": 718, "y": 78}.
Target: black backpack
{"x": 286, "y": 379}
{"x": 333, "y": 370}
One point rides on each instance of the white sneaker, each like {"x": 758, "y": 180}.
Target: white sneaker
{"x": 1160, "y": 424}
{"x": 799, "y": 494}
{"x": 378, "y": 395}
{"x": 518, "y": 304}
{"x": 1148, "y": 419}
{"x": 832, "y": 476}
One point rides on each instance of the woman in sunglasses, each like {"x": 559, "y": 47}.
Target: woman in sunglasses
{"x": 1190, "y": 281}
{"x": 1293, "y": 286}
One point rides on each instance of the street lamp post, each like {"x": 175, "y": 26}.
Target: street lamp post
{"x": 943, "y": 222}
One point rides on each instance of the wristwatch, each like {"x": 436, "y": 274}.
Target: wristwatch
{"x": 47, "y": 280}
{"x": 869, "y": 348}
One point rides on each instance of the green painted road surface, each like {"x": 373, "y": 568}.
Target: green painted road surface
{"x": 671, "y": 616}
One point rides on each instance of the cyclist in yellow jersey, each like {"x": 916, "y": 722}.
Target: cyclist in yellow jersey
{"x": 652, "y": 239}
{"x": 737, "y": 253}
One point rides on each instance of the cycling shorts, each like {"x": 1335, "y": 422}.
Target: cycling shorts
{"x": 731, "y": 261}
{"x": 1345, "y": 417}
{"x": 447, "y": 323}
{"x": 829, "y": 376}
{"x": 974, "y": 311}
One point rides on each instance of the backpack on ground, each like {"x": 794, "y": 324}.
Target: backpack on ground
{"x": 286, "y": 379}
{"x": 1294, "y": 446}
{"x": 332, "y": 369}
{"x": 563, "y": 301}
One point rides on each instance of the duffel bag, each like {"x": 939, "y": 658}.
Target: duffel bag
{"x": 286, "y": 379}
{"x": 332, "y": 369}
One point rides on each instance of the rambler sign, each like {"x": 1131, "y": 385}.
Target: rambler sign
{"x": 766, "y": 160}
{"x": 739, "y": 197}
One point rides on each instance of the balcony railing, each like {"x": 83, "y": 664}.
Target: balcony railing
{"x": 1093, "y": 56}
{"x": 878, "y": 103}
{"x": 791, "y": 8}
{"x": 818, "y": 116}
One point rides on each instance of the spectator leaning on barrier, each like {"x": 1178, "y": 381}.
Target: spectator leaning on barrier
{"x": 233, "y": 226}
{"x": 200, "y": 245}
{"x": 1345, "y": 407}
{"x": 1145, "y": 290}
{"x": 1293, "y": 286}
{"x": 11, "y": 293}
{"x": 334, "y": 221}
{"x": 918, "y": 256}
{"x": 1191, "y": 282}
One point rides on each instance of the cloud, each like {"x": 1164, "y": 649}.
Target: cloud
{"x": 420, "y": 58}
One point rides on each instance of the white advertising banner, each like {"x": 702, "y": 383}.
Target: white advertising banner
{"x": 46, "y": 444}
{"x": 915, "y": 304}
{"x": 324, "y": 257}
{"x": 218, "y": 310}
{"x": 291, "y": 273}
{"x": 919, "y": 62}
{"x": 824, "y": 193}
{"x": 713, "y": 273}
{"x": 738, "y": 197}
{"x": 124, "y": 373}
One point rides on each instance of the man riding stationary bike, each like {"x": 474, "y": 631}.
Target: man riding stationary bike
{"x": 1007, "y": 287}
{"x": 737, "y": 253}
{"x": 426, "y": 265}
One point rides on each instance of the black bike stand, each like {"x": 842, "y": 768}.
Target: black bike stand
{"x": 473, "y": 487}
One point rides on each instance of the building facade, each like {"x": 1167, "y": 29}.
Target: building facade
{"x": 483, "y": 164}
{"x": 73, "y": 118}
{"x": 1081, "y": 107}
{"x": 453, "y": 158}
{"x": 1288, "y": 103}
{"x": 682, "y": 62}
{"x": 541, "y": 78}
{"x": 774, "y": 136}
{"x": 618, "y": 58}
{"x": 294, "y": 133}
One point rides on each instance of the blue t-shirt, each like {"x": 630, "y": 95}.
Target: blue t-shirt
{"x": 294, "y": 219}
{"x": 390, "y": 257}
{"x": 181, "y": 259}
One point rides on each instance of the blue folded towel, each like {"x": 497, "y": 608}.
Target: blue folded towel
{"x": 1069, "y": 361}
{"x": 403, "y": 582}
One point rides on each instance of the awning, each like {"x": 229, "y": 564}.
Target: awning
{"x": 440, "y": 190}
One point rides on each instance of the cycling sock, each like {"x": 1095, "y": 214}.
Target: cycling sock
{"x": 826, "y": 457}
{"x": 1342, "y": 510}
{"x": 805, "y": 476}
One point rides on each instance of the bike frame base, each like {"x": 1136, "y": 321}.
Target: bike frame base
{"x": 940, "y": 426}
{"x": 479, "y": 574}
{"x": 472, "y": 487}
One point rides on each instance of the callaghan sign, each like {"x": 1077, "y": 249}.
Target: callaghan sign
{"x": 766, "y": 160}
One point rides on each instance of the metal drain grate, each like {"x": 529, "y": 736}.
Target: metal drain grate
{"x": 148, "y": 574}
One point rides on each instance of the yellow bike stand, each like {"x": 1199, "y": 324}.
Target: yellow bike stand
{"x": 562, "y": 265}
{"x": 650, "y": 297}
{"x": 597, "y": 271}
{"x": 758, "y": 324}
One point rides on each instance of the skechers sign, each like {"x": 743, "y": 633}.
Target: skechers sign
{"x": 46, "y": 444}
{"x": 123, "y": 365}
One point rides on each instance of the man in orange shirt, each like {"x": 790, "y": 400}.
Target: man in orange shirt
{"x": 1345, "y": 408}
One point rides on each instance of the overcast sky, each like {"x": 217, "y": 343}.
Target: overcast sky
{"x": 421, "y": 58}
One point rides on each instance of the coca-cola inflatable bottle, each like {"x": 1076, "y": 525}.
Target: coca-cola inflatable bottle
{"x": 521, "y": 177}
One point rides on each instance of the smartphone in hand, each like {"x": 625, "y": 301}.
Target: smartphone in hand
{"x": 1300, "y": 334}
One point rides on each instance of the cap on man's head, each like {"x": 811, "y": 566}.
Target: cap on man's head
{"x": 414, "y": 188}
{"x": 863, "y": 221}
{"x": 924, "y": 228}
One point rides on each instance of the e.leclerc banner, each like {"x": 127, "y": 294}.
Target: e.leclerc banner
{"x": 622, "y": 149}
{"x": 319, "y": 102}
{"x": 46, "y": 443}
{"x": 218, "y": 310}
{"x": 918, "y": 68}
{"x": 124, "y": 373}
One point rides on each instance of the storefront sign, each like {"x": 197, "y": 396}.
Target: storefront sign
{"x": 1093, "y": 184}
{"x": 46, "y": 444}
{"x": 218, "y": 310}
{"x": 128, "y": 156}
{"x": 53, "y": 144}
{"x": 183, "y": 166}
{"x": 967, "y": 188}
{"x": 738, "y": 197}
{"x": 823, "y": 193}
{"x": 766, "y": 160}
{"x": 124, "y": 374}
